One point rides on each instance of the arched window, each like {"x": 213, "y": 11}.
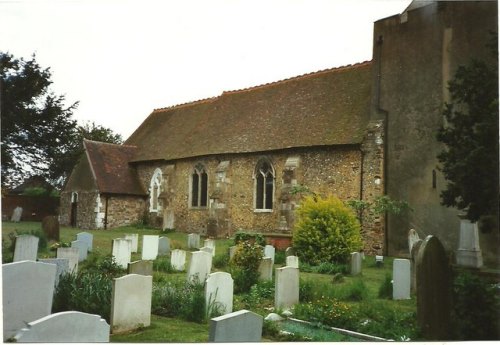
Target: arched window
{"x": 154, "y": 190}
{"x": 199, "y": 187}
{"x": 264, "y": 185}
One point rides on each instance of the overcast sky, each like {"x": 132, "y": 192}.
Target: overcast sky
{"x": 123, "y": 59}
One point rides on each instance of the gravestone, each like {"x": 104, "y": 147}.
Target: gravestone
{"x": 219, "y": 292}
{"x": 469, "y": 253}
{"x": 232, "y": 250}
{"x": 289, "y": 251}
{"x": 286, "y": 292}
{"x": 433, "y": 290}
{"x": 150, "y": 247}
{"x": 26, "y": 248}
{"x": 163, "y": 245}
{"x": 269, "y": 252}
{"x": 16, "y": 214}
{"x": 210, "y": 244}
{"x": 401, "y": 277}
{"x": 65, "y": 327}
{"x": 131, "y": 302}
{"x": 266, "y": 269}
{"x": 193, "y": 241}
{"x": 86, "y": 237}
{"x": 142, "y": 267}
{"x": 412, "y": 239}
{"x": 82, "y": 249}
{"x": 135, "y": 241}
{"x": 379, "y": 260}
{"x": 27, "y": 290}
{"x": 122, "y": 251}
{"x": 62, "y": 267}
{"x": 355, "y": 263}
{"x": 72, "y": 254}
{"x": 240, "y": 326}
{"x": 413, "y": 269}
{"x": 200, "y": 266}
{"x": 50, "y": 227}
{"x": 178, "y": 259}
{"x": 207, "y": 250}
{"x": 292, "y": 261}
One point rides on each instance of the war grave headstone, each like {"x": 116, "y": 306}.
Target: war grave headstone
{"x": 232, "y": 250}
{"x": 412, "y": 239}
{"x": 26, "y": 248}
{"x": 401, "y": 277}
{"x": 469, "y": 252}
{"x": 50, "y": 227}
{"x": 131, "y": 302}
{"x": 433, "y": 290}
{"x": 292, "y": 261}
{"x": 355, "y": 263}
{"x": 122, "y": 251}
{"x": 209, "y": 250}
{"x": 61, "y": 264}
{"x": 163, "y": 245}
{"x": 135, "y": 241}
{"x": 150, "y": 247}
{"x": 17, "y": 214}
{"x": 200, "y": 266}
{"x": 65, "y": 327}
{"x": 286, "y": 292}
{"x": 219, "y": 290}
{"x": 27, "y": 291}
{"x": 289, "y": 251}
{"x": 269, "y": 252}
{"x": 193, "y": 241}
{"x": 266, "y": 269}
{"x": 142, "y": 267}
{"x": 210, "y": 244}
{"x": 239, "y": 326}
{"x": 86, "y": 237}
{"x": 72, "y": 254}
{"x": 178, "y": 259}
{"x": 82, "y": 249}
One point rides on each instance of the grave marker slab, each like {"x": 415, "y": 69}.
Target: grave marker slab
{"x": 131, "y": 302}
{"x": 240, "y": 326}
{"x": 210, "y": 244}
{"x": 355, "y": 263}
{"x": 178, "y": 259}
{"x": 50, "y": 226}
{"x": 28, "y": 289}
{"x": 286, "y": 292}
{"x": 150, "y": 247}
{"x": 401, "y": 277}
{"x": 163, "y": 245}
{"x": 266, "y": 269}
{"x": 135, "y": 241}
{"x": 16, "y": 214}
{"x": 82, "y": 249}
{"x": 412, "y": 238}
{"x": 61, "y": 264}
{"x": 193, "y": 241}
{"x": 142, "y": 267}
{"x": 200, "y": 266}
{"x": 289, "y": 252}
{"x": 207, "y": 250}
{"x": 65, "y": 327}
{"x": 122, "y": 251}
{"x": 269, "y": 252}
{"x": 26, "y": 248}
{"x": 292, "y": 261}
{"x": 469, "y": 252}
{"x": 413, "y": 254}
{"x": 86, "y": 237}
{"x": 219, "y": 292}
{"x": 72, "y": 254}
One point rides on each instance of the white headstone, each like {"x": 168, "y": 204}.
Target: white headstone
{"x": 150, "y": 247}
{"x": 28, "y": 289}
{"x": 193, "y": 241}
{"x": 87, "y": 238}
{"x": 163, "y": 245}
{"x": 292, "y": 261}
{"x": 135, "y": 241}
{"x": 200, "y": 266}
{"x": 412, "y": 238}
{"x": 16, "y": 214}
{"x": 266, "y": 269}
{"x": 286, "y": 292}
{"x": 82, "y": 249}
{"x": 26, "y": 248}
{"x": 210, "y": 244}
{"x": 355, "y": 263}
{"x": 122, "y": 251}
{"x": 469, "y": 253}
{"x": 219, "y": 292}
{"x": 65, "y": 327}
{"x": 131, "y": 302}
{"x": 240, "y": 326}
{"x": 72, "y": 254}
{"x": 269, "y": 252}
{"x": 61, "y": 264}
{"x": 178, "y": 259}
{"x": 401, "y": 278}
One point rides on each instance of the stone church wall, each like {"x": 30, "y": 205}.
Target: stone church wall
{"x": 123, "y": 210}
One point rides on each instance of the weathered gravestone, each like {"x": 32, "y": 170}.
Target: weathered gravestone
{"x": 72, "y": 254}
{"x": 469, "y": 252}
{"x": 50, "y": 227}
{"x": 61, "y": 264}
{"x": 289, "y": 251}
{"x": 82, "y": 249}
{"x": 207, "y": 250}
{"x": 413, "y": 269}
{"x": 412, "y": 239}
{"x": 26, "y": 248}
{"x": 355, "y": 263}
{"x": 131, "y": 302}
{"x": 65, "y": 327}
{"x": 210, "y": 244}
{"x": 200, "y": 266}
{"x": 269, "y": 252}
{"x": 142, "y": 267}
{"x": 219, "y": 292}
{"x": 292, "y": 261}
{"x": 86, "y": 237}
{"x": 193, "y": 241}
{"x": 27, "y": 290}
{"x": 178, "y": 259}
{"x": 122, "y": 251}
{"x": 401, "y": 278}
{"x": 163, "y": 245}
{"x": 150, "y": 247}
{"x": 135, "y": 241}
{"x": 16, "y": 214}
{"x": 266, "y": 269}
{"x": 433, "y": 290}
{"x": 240, "y": 326}
{"x": 286, "y": 292}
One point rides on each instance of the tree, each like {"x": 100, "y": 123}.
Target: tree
{"x": 470, "y": 158}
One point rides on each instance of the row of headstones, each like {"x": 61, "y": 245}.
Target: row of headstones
{"x": 152, "y": 246}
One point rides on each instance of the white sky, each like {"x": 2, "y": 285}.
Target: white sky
{"x": 122, "y": 59}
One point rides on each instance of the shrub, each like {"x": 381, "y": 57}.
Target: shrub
{"x": 279, "y": 257}
{"x": 105, "y": 265}
{"x": 306, "y": 288}
{"x": 162, "y": 264}
{"x": 220, "y": 260}
{"x": 242, "y": 236}
{"x": 327, "y": 311}
{"x": 244, "y": 265}
{"x": 325, "y": 231}
{"x": 259, "y": 292}
{"x": 385, "y": 289}
{"x": 354, "y": 291}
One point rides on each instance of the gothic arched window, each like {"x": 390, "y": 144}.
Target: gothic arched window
{"x": 199, "y": 187}
{"x": 154, "y": 190}
{"x": 264, "y": 185}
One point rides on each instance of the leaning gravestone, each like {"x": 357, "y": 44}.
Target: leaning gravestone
{"x": 193, "y": 241}
{"x": 26, "y": 248}
{"x": 286, "y": 292}
{"x": 219, "y": 292}
{"x": 412, "y": 239}
{"x": 135, "y": 241}
{"x": 50, "y": 226}
{"x": 163, "y": 245}
{"x": 292, "y": 261}
{"x": 178, "y": 259}
{"x": 266, "y": 269}
{"x": 433, "y": 290}
{"x": 72, "y": 254}
{"x": 200, "y": 266}
{"x": 131, "y": 302}
{"x": 355, "y": 263}
{"x": 142, "y": 267}
{"x": 28, "y": 289}
{"x": 82, "y": 249}
{"x": 61, "y": 264}
{"x": 122, "y": 251}
{"x": 150, "y": 247}
{"x": 210, "y": 244}
{"x": 240, "y": 326}
{"x": 289, "y": 251}
{"x": 86, "y": 237}
{"x": 65, "y": 327}
{"x": 401, "y": 277}
{"x": 16, "y": 214}
{"x": 269, "y": 252}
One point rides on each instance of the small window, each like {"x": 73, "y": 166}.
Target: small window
{"x": 264, "y": 185}
{"x": 154, "y": 190}
{"x": 199, "y": 187}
